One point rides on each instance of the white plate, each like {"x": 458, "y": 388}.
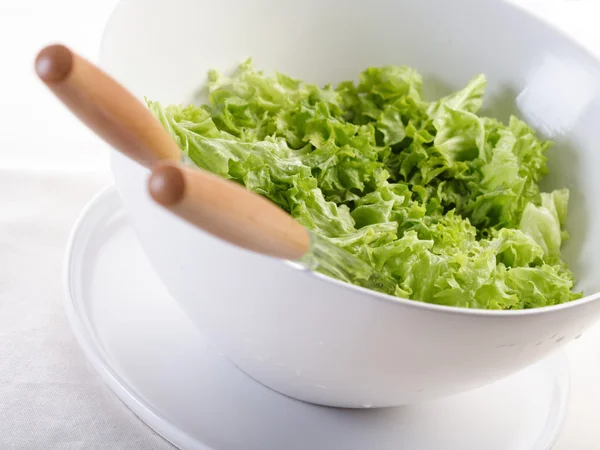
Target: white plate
{"x": 167, "y": 372}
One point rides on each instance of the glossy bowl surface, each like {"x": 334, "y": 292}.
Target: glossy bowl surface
{"x": 316, "y": 339}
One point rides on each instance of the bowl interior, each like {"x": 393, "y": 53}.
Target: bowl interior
{"x": 163, "y": 50}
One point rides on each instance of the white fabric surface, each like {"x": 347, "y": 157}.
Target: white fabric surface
{"x": 50, "y": 166}
{"x": 50, "y": 397}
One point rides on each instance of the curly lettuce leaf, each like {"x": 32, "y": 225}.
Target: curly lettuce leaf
{"x": 440, "y": 199}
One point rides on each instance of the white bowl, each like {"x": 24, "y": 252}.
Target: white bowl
{"x": 313, "y": 338}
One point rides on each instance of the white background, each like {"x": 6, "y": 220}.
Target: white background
{"x": 44, "y": 150}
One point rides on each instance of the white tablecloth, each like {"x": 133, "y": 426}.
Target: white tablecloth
{"x": 50, "y": 397}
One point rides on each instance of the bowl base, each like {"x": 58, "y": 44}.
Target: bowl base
{"x": 168, "y": 373}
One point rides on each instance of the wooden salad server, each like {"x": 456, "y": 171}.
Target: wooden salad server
{"x": 105, "y": 106}
{"x": 237, "y": 215}
{"x": 221, "y": 207}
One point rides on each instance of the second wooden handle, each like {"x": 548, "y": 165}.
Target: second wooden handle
{"x": 105, "y": 106}
{"x": 228, "y": 211}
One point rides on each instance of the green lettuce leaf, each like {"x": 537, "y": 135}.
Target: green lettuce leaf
{"x": 440, "y": 199}
{"x": 544, "y": 223}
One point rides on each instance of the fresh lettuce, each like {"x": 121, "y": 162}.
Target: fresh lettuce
{"x": 440, "y": 199}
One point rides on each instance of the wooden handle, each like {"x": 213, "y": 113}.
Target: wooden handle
{"x": 228, "y": 211}
{"x": 105, "y": 106}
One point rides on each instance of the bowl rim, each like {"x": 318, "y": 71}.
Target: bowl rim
{"x": 368, "y": 293}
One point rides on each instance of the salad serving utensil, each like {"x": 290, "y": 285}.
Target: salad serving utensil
{"x": 220, "y": 207}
